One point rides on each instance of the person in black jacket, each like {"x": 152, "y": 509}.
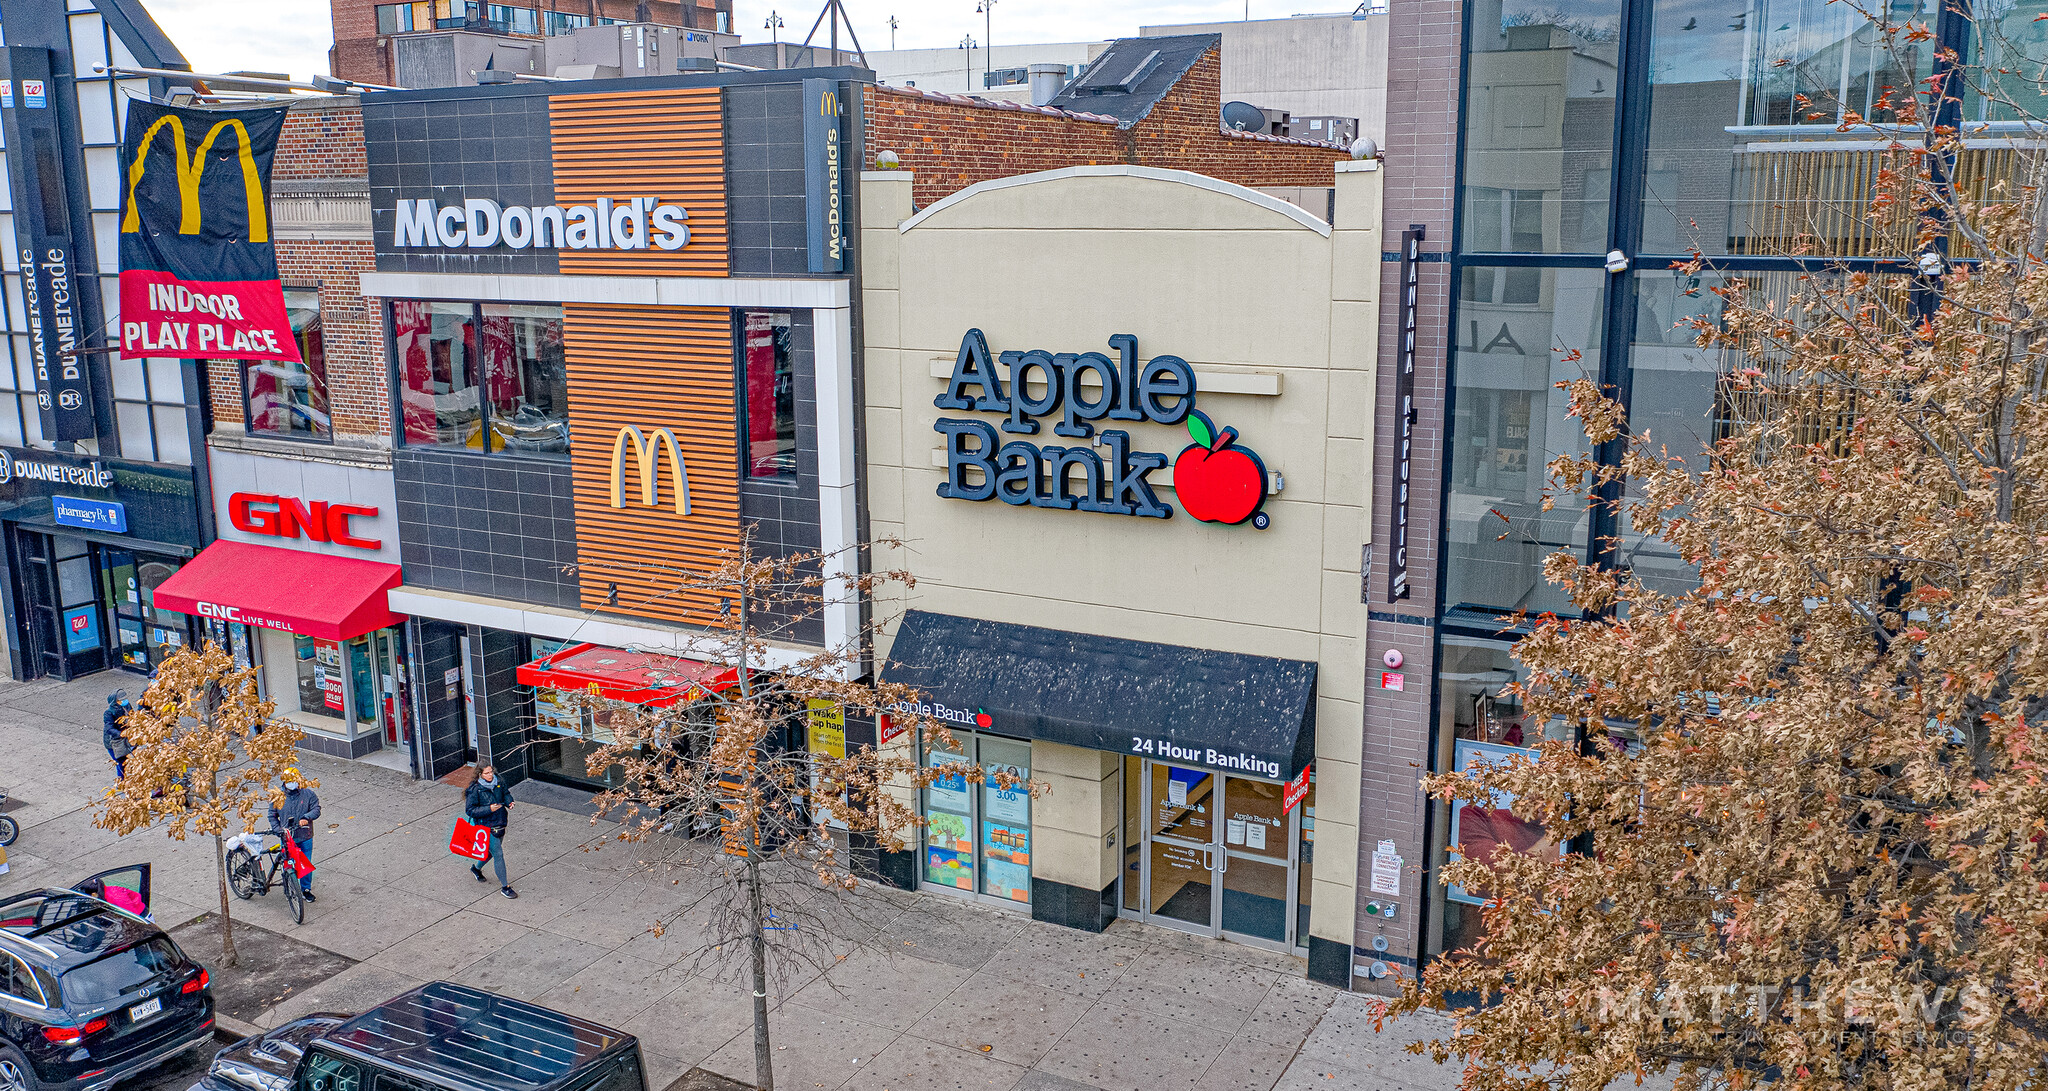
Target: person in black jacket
{"x": 117, "y": 744}
{"x": 489, "y": 804}
{"x": 295, "y": 819}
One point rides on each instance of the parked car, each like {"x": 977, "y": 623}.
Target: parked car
{"x": 91, "y": 990}
{"x": 438, "y": 1037}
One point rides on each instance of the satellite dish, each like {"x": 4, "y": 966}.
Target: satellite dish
{"x": 1244, "y": 117}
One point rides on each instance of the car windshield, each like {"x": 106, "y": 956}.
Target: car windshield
{"x": 118, "y": 974}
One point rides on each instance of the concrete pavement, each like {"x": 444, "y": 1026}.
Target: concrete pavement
{"x": 945, "y": 995}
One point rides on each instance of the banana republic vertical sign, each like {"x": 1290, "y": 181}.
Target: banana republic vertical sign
{"x": 198, "y": 267}
{"x": 63, "y": 309}
{"x": 1404, "y": 408}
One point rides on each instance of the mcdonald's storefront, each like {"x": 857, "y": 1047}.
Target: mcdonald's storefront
{"x": 620, "y": 316}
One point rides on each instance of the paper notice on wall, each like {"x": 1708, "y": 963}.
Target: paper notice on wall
{"x": 1386, "y": 872}
{"x": 1177, "y": 793}
{"x": 1255, "y": 835}
{"x": 1233, "y": 831}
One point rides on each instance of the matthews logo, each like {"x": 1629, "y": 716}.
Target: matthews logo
{"x": 477, "y": 224}
{"x": 192, "y": 170}
{"x": 647, "y": 454}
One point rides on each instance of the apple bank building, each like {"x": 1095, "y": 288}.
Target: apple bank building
{"x": 1134, "y": 498}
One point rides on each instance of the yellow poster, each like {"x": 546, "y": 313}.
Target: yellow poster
{"x": 828, "y": 728}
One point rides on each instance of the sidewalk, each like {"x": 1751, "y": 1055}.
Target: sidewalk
{"x": 951, "y": 996}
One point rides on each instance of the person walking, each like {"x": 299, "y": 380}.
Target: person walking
{"x": 295, "y": 820}
{"x": 489, "y": 804}
{"x": 117, "y": 744}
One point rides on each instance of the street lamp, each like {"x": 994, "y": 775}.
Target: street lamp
{"x": 967, "y": 43}
{"x": 774, "y": 27}
{"x": 893, "y": 24}
{"x": 987, "y": 10}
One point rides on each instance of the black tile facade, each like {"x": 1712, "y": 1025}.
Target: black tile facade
{"x": 489, "y": 525}
{"x": 764, "y": 163}
{"x": 503, "y": 711}
{"x": 439, "y": 651}
{"x": 492, "y": 145}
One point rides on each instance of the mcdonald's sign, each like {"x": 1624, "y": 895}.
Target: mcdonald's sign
{"x": 198, "y": 265}
{"x": 647, "y": 451}
{"x": 824, "y": 176}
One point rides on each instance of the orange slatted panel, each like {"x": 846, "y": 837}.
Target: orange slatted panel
{"x": 652, "y": 367}
{"x": 664, "y": 144}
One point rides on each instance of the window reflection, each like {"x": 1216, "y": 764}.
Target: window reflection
{"x": 525, "y": 378}
{"x": 485, "y": 378}
{"x": 289, "y": 398}
{"x": 1520, "y": 333}
{"x": 1540, "y": 126}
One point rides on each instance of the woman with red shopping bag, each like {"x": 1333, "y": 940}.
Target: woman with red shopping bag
{"x": 487, "y": 805}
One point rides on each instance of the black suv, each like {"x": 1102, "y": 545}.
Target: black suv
{"x": 438, "y": 1037}
{"x": 91, "y": 991}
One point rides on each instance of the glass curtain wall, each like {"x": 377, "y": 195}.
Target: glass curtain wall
{"x": 1659, "y": 128}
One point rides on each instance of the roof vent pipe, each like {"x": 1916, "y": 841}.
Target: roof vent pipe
{"x": 1046, "y": 81}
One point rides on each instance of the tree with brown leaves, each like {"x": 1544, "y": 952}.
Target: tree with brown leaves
{"x": 745, "y": 752}
{"x": 208, "y": 755}
{"x": 1824, "y": 865}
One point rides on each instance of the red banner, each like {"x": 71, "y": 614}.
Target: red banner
{"x": 1295, "y": 790}
{"x": 216, "y": 320}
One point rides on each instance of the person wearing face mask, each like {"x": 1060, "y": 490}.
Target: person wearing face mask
{"x": 489, "y": 804}
{"x": 295, "y": 818}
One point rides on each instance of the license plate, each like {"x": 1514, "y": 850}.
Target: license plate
{"x": 144, "y": 1010}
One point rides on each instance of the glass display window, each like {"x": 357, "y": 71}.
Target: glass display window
{"x": 978, "y": 837}
{"x": 289, "y": 397}
{"x": 769, "y": 386}
{"x": 491, "y": 378}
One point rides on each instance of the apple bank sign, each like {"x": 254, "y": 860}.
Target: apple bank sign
{"x": 1216, "y": 479}
{"x": 635, "y": 223}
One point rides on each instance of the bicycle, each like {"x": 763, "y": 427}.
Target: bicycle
{"x": 253, "y": 873}
{"x": 9, "y": 828}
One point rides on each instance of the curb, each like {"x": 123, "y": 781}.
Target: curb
{"x": 227, "y": 1029}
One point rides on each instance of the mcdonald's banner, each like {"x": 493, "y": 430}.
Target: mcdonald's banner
{"x": 198, "y": 267}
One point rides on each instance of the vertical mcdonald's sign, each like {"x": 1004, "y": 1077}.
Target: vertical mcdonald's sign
{"x": 198, "y": 264}
{"x": 824, "y": 175}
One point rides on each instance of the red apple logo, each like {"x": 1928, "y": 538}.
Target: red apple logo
{"x": 983, "y": 719}
{"x": 1217, "y": 480}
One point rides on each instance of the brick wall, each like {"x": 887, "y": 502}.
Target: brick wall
{"x": 1421, "y": 152}
{"x": 322, "y": 138}
{"x": 953, "y": 142}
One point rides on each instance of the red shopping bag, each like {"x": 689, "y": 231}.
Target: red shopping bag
{"x": 300, "y": 864}
{"x": 473, "y": 842}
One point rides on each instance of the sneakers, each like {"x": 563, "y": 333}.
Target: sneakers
{"x": 478, "y": 871}
{"x": 509, "y": 892}
{"x": 308, "y": 895}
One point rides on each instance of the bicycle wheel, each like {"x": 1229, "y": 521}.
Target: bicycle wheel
{"x": 294, "y": 895}
{"x": 9, "y": 830}
{"x": 242, "y": 873}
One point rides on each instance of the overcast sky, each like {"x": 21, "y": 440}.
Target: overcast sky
{"x": 293, "y": 35}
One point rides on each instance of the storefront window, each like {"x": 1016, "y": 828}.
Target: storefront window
{"x": 978, "y": 838}
{"x": 526, "y": 379}
{"x": 318, "y": 667}
{"x": 436, "y": 348}
{"x": 770, "y": 388}
{"x": 284, "y": 398}
{"x": 1539, "y": 126}
{"x": 1520, "y": 333}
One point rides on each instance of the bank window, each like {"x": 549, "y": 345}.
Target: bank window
{"x": 978, "y": 837}
{"x": 769, "y": 393}
{"x": 285, "y": 397}
{"x": 489, "y": 378}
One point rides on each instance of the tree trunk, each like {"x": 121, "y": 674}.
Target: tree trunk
{"x": 764, "y": 1070}
{"x": 228, "y": 957}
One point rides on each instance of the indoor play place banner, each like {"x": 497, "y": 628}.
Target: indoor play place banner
{"x": 198, "y": 268}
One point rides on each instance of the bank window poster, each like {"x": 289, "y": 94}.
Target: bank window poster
{"x": 949, "y": 824}
{"x": 1479, "y": 830}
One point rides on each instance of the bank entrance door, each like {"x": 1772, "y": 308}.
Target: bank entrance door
{"x": 1215, "y": 854}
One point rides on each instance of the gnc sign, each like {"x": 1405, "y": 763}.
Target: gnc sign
{"x": 289, "y": 517}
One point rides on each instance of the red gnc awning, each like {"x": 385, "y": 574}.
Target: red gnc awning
{"x": 642, "y": 678}
{"x": 311, "y": 594}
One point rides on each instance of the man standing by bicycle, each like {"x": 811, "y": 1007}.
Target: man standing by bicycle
{"x": 295, "y": 819}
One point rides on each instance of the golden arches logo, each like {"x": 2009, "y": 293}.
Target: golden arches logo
{"x": 191, "y": 169}
{"x": 828, "y": 104}
{"x": 647, "y": 455}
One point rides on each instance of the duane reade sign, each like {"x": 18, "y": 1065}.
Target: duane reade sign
{"x": 636, "y": 223}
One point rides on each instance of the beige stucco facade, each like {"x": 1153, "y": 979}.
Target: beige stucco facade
{"x": 1277, "y": 313}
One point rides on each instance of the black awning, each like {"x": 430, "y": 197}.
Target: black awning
{"x": 1249, "y": 714}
